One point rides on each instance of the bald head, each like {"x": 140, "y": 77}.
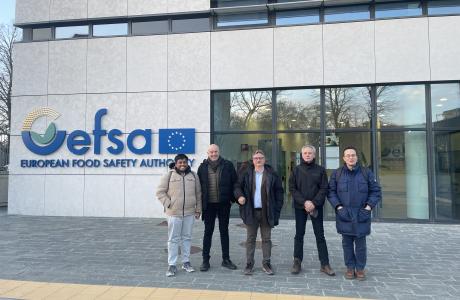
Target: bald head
{"x": 213, "y": 152}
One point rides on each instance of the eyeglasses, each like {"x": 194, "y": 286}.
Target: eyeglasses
{"x": 258, "y": 157}
{"x": 350, "y": 155}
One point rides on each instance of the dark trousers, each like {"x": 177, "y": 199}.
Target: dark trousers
{"x": 265, "y": 232}
{"x": 301, "y": 217}
{"x": 354, "y": 252}
{"x": 222, "y": 212}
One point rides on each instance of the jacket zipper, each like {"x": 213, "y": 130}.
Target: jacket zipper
{"x": 183, "y": 203}
{"x": 219, "y": 179}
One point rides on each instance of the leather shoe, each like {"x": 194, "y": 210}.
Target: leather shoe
{"x": 327, "y": 270}
{"x": 227, "y": 263}
{"x": 296, "y": 267}
{"x": 205, "y": 266}
{"x": 360, "y": 275}
{"x": 350, "y": 274}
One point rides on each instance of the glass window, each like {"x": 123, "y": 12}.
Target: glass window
{"x": 231, "y": 3}
{"x": 445, "y": 105}
{"x": 298, "y": 109}
{"x": 110, "y": 29}
{"x": 348, "y": 107}
{"x": 293, "y": 17}
{"x": 245, "y": 19}
{"x": 403, "y": 178}
{"x": 245, "y": 110}
{"x": 401, "y": 106}
{"x": 238, "y": 148}
{"x": 27, "y": 34}
{"x": 69, "y": 32}
{"x": 150, "y": 27}
{"x": 442, "y": 7}
{"x": 190, "y": 25}
{"x": 289, "y": 154}
{"x": 41, "y": 34}
{"x": 399, "y": 9}
{"x": 347, "y": 13}
{"x": 447, "y": 174}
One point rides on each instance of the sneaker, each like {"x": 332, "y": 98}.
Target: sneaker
{"x": 188, "y": 267}
{"x": 267, "y": 267}
{"x": 327, "y": 270}
{"x": 227, "y": 263}
{"x": 296, "y": 267}
{"x": 171, "y": 271}
{"x": 205, "y": 266}
{"x": 248, "y": 270}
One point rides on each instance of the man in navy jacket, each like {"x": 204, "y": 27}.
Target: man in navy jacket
{"x": 353, "y": 192}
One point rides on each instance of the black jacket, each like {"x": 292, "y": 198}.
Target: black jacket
{"x": 275, "y": 195}
{"x": 227, "y": 179}
{"x": 308, "y": 181}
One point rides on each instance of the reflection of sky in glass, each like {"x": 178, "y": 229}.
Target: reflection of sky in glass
{"x": 71, "y": 32}
{"x": 242, "y": 19}
{"x": 347, "y": 13}
{"x": 392, "y": 10}
{"x": 444, "y": 7}
{"x": 445, "y": 102}
{"x": 297, "y": 17}
{"x": 231, "y": 3}
{"x": 110, "y": 29}
{"x": 402, "y": 106}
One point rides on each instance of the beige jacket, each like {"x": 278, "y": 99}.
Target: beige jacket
{"x": 181, "y": 196}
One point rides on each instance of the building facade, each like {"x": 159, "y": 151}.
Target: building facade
{"x": 383, "y": 76}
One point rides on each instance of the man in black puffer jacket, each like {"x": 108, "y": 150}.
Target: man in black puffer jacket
{"x": 217, "y": 178}
{"x": 308, "y": 186}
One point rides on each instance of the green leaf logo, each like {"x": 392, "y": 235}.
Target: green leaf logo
{"x": 45, "y": 138}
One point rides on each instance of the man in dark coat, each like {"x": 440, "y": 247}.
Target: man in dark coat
{"x": 353, "y": 192}
{"x": 260, "y": 195}
{"x": 217, "y": 177}
{"x": 308, "y": 186}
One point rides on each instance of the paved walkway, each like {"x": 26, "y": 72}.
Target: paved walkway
{"x": 405, "y": 261}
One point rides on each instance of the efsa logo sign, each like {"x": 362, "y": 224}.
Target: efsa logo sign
{"x": 79, "y": 142}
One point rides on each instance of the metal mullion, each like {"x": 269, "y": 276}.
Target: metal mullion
{"x": 424, "y": 7}
{"x": 429, "y": 152}
{"x": 275, "y": 145}
{"x": 322, "y": 136}
{"x": 374, "y": 147}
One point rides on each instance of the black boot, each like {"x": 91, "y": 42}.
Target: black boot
{"x": 227, "y": 263}
{"x": 205, "y": 265}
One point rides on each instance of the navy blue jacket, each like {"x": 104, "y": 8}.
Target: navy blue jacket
{"x": 353, "y": 191}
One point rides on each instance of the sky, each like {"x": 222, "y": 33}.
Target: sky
{"x": 7, "y": 11}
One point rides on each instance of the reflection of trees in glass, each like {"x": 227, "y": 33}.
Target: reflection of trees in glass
{"x": 385, "y": 103}
{"x": 347, "y": 107}
{"x": 251, "y": 110}
{"x": 298, "y": 114}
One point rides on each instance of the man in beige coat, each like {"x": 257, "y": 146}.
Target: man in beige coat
{"x": 180, "y": 193}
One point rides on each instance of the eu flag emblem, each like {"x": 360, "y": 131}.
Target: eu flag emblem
{"x": 174, "y": 141}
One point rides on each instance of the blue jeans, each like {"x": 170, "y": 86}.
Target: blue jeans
{"x": 179, "y": 235}
{"x": 354, "y": 252}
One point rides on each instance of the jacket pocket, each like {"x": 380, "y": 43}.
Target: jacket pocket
{"x": 362, "y": 187}
{"x": 364, "y": 215}
{"x": 343, "y": 215}
{"x": 342, "y": 186}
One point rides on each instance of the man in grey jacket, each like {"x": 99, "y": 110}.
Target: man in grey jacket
{"x": 180, "y": 193}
